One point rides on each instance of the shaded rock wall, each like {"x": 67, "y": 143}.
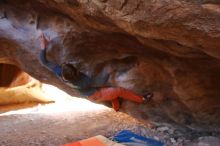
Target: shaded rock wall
{"x": 17, "y": 87}
{"x": 12, "y": 76}
{"x": 176, "y": 43}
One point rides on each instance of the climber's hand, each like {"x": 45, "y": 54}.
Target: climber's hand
{"x": 43, "y": 40}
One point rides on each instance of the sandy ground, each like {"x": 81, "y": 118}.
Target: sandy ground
{"x": 47, "y": 125}
{"x": 69, "y": 119}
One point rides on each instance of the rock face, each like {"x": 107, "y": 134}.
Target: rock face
{"x": 17, "y": 87}
{"x": 176, "y": 43}
{"x": 12, "y": 76}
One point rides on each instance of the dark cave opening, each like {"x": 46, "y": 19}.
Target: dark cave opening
{"x": 7, "y": 74}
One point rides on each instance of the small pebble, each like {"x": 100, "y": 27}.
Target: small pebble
{"x": 179, "y": 140}
{"x": 162, "y": 129}
{"x": 170, "y": 131}
{"x": 156, "y": 138}
{"x": 172, "y": 140}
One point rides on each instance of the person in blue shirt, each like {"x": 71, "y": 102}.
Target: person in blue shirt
{"x": 93, "y": 87}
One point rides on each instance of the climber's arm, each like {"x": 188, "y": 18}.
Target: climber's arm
{"x": 56, "y": 69}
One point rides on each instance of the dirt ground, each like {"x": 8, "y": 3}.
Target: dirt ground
{"x": 69, "y": 119}
{"x": 45, "y": 125}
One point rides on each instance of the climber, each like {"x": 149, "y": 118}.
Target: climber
{"x": 93, "y": 87}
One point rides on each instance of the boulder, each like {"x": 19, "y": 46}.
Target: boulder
{"x": 176, "y": 43}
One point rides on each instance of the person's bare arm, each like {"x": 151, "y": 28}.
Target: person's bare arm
{"x": 55, "y": 68}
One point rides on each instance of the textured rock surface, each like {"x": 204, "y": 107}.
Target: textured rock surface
{"x": 12, "y": 76}
{"x": 176, "y": 42}
{"x": 18, "y": 87}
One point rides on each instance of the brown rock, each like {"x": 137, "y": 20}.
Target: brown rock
{"x": 176, "y": 44}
